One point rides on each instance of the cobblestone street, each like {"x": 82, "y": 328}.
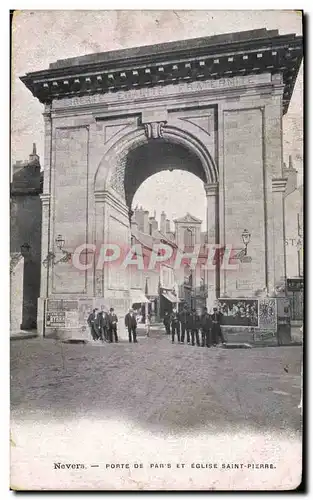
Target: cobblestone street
{"x": 135, "y": 394}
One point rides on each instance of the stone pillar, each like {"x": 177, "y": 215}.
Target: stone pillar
{"x": 279, "y": 264}
{"x": 45, "y": 262}
{"x": 146, "y": 309}
{"x": 99, "y": 240}
{"x": 211, "y": 191}
{"x": 45, "y": 224}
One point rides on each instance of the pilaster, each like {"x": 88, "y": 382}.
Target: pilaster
{"x": 211, "y": 191}
{"x": 279, "y": 264}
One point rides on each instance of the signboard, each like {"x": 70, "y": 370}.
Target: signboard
{"x": 62, "y": 313}
{"x": 239, "y": 312}
{"x": 294, "y": 284}
{"x": 55, "y": 319}
{"x": 268, "y": 314}
{"x": 71, "y": 319}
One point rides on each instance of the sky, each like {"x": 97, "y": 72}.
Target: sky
{"x": 42, "y": 37}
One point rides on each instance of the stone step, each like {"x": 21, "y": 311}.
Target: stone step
{"x": 237, "y": 345}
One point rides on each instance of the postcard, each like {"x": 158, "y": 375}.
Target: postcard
{"x": 156, "y": 257}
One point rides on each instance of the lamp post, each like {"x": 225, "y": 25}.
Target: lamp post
{"x": 25, "y": 248}
{"x": 59, "y": 241}
{"x": 246, "y": 239}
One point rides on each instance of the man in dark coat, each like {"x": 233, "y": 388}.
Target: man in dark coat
{"x": 206, "y": 327}
{"x": 93, "y": 324}
{"x": 112, "y": 320}
{"x": 175, "y": 325}
{"x": 103, "y": 324}
{"x": 167, "y": 322}
{"x": 131, "y": 325}
{"x": 216, "y": 327}
{"x": 194, "y": 324}
{"x": 183, "y": 317}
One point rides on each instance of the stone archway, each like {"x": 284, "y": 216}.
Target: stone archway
{"x": 222, "y": 98}
{"x": 111, "y": 169}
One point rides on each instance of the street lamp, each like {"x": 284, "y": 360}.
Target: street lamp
{"x": 246, "y": 238}
{"x": 59, "y": 241}
{"x": 25, "y": 248}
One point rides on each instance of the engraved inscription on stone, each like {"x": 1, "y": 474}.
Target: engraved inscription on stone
{"x": 180, "y": 88}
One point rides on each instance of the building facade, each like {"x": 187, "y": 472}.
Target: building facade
{"x": 25, "y": 233}
{"x": 212, "y": 106}
{"x": 293, "y": 204}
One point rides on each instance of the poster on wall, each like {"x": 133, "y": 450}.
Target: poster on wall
{"x": 55, "y": 319}
{"x": 239, "y": 312}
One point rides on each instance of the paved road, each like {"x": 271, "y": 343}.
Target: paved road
{"x": 160, "y": 384}
{"x": 156, "y": 404}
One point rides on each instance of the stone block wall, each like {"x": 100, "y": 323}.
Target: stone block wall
{"x": 16, "y": 291}
{"x": 25, "y": 228}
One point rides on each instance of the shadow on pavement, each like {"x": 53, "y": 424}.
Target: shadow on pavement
{"x": 160, "y": 386}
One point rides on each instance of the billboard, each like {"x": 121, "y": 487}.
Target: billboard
{"x": 239, "y": 312}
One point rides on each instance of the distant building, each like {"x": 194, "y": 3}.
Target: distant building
{"x": 187, "y": 235}
{"x": 157, "y": 285}
{"x": 293, "y": 201}
{"x": 166, "y": 286}
{"x": 25, "y": 235}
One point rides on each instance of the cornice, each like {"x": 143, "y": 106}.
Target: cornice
{"x": 45, "y": 198}
{"x": 185, "y": 61}
{"x": 279, "y": 185}
{"x": 102, "y": 197}
{"x": 211, "y": 189}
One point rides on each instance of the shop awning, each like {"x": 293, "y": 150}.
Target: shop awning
{"x": 170, "y": 296}
{"x": 138, "y": 297}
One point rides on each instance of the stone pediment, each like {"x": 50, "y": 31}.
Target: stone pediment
{"x": 188, "y": 219}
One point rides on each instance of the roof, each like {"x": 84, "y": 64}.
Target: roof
{"x": 162, "y": 49}
{"x": 205, "y": 58}
{"x": 27, "y": 180}
{"x": 148, "y": 240}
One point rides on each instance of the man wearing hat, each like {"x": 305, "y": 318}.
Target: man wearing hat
{"x": 206, "y": 328}
{"x": 131, "y": 325}
{"x": 194, "y": 322}
{"x": 93, "y": 324}
{"x": 103, "y": 324}
{"x": 112, "y": 320}
{"x": 184, "y": 319}
{"x": 175, "y": 325}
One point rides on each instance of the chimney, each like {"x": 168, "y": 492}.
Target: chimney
{"x": 292, "y": 177}
{"x": 34, "y": 157}
{"x": 134, "y": 223}
{"x": 138, "y": 218}
{"x": 163, "y": 222}
{"x": 145, "y": 228}
{"x": 167, "y": 226}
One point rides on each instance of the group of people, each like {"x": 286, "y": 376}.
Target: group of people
{"x": 201, "y": 330}
{"x": 103, "y": 325}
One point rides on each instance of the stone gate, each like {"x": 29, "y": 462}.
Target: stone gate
{"x": 212, "y": 106}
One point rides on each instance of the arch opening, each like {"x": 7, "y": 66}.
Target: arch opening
{"x": 154, "y": 157}
{"x": 175, "y": 193}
